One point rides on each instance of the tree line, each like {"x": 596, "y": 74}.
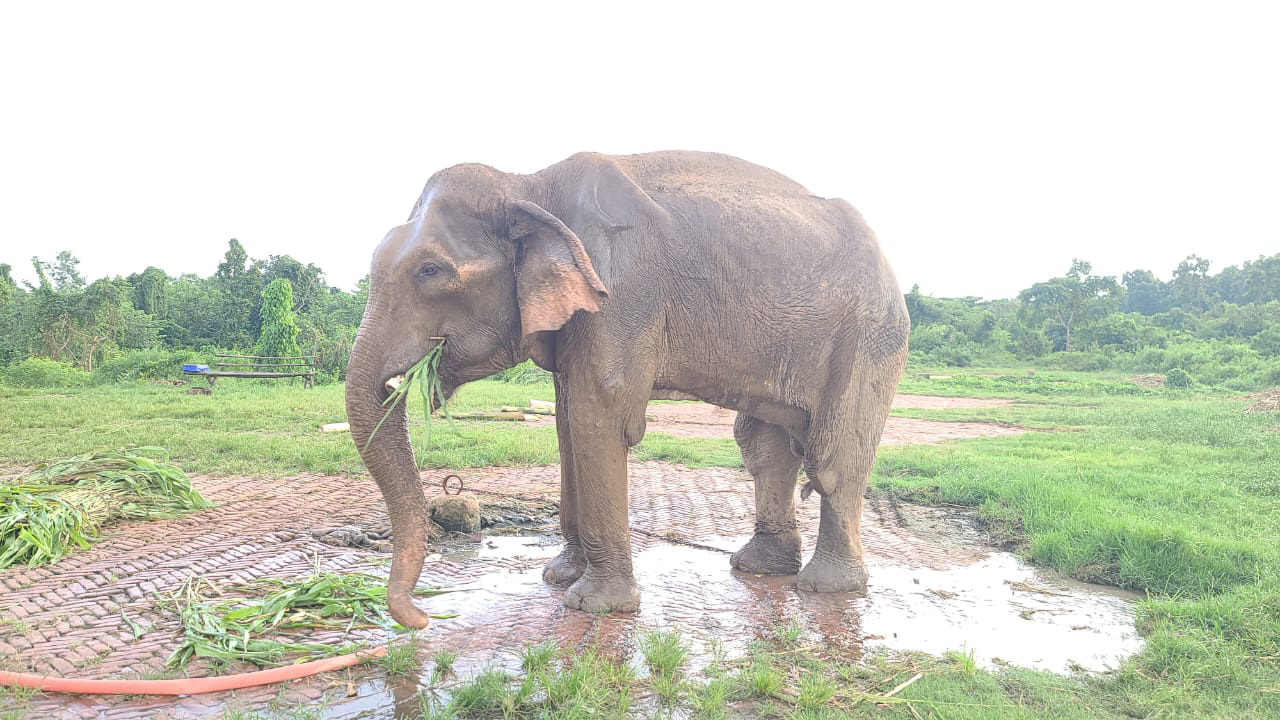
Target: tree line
{"x": 1217, "y": 329}
{"x": 136, "y": 325}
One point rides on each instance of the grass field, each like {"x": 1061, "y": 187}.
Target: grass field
{"x": 1169, "y": 493}
{"x": 273, "y": 429}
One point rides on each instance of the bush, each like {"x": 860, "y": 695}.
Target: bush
{"x": 140, "y": 365}
{"x": 1177, "y": 378}
{"x": 1234, "y": 366}
{"x": 1079, "y": 361}
{"x": 43, "y": 373}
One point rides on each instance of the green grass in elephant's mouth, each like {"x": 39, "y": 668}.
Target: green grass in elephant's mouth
{"x": 426, "y": 375}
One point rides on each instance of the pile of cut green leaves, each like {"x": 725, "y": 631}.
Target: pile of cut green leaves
{"x": 425, "y": 374}
{"x": 266, "y": 629}
{"x": 49, "y": 512}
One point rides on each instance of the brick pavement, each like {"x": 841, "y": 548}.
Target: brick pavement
{"x": 69, "y": 619}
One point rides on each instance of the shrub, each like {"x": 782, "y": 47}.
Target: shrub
{"x": 1215, "y": 363}
{"x": 1267, "y": 342}
{"x": 1080, "y": 361}
{"x": 1177, "y": 378}
{"x": 151, "y": 364}
{"x": 941, "y": 344}
{"x": 43, "y": 373}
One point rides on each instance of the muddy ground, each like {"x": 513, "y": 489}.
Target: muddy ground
{"x": 935, "y": 585}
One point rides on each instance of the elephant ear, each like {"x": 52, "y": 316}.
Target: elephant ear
{"x": 554, "y": 276}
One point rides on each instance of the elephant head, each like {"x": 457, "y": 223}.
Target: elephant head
{"x": 483, "y": 265}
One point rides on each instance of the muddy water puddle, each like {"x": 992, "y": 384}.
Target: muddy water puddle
{"x": 988, "y": 603}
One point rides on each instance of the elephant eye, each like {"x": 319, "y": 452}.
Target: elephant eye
{"x": 427, "y": 269}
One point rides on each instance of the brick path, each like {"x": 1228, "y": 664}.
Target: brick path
{"x": 67, "y": 619}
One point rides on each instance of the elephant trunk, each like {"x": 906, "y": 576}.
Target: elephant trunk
{"x": 389, "y": 458}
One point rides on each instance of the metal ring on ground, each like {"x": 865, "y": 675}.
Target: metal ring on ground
{"x": 445, "y": 485}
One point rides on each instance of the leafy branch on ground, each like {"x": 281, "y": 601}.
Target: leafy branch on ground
{"x": 63, "y": 505}
{"x": 262, "y": 621}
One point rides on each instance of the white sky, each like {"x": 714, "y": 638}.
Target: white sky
{"x": 986, "y": 143}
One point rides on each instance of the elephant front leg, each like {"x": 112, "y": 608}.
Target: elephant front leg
{"x": 568, "y": 566}
{"x": 599, "y": 459}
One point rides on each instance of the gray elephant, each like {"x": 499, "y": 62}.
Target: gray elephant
{"x": 629, "y": 277}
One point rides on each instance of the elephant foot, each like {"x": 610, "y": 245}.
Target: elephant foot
{"x": 603, "y": 594}
{"x": 769, "y": 554}
{"x": 565, "y": 568}
{"x": 823, "y": 575}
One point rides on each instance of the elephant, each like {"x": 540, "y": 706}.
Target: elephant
{"x": 629, "y": 277}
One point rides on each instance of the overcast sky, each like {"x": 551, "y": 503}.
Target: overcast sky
{"x": 986, "y": 143}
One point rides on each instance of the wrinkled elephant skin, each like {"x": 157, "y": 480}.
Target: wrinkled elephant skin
{"x": 630, "y": 277}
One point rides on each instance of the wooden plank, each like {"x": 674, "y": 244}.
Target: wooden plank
{"x": 263, "y": 365}
{"x": 311, "y": 358}
{"x": 217, "y": 373}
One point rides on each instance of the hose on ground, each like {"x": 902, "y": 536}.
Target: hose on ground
{"x": 188, "y": 686}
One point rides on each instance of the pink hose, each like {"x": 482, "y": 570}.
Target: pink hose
{"x": 187, "y": 686}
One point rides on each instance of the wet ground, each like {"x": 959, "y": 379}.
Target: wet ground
{"x": 935, "y": 585}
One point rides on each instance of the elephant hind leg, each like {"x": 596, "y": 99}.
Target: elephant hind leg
{"x": 766, "y": 451}
{"x": 839, "y": 471}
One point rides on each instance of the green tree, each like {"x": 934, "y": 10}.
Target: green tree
{"x": 279, "y": 325}
{"x": 13, "y": 330}
{"x": 149, "y": 291}
{"x": 1190, "y": 286}
{"x": 1144, "y": 293}
{"x": 65, "y": 272}
{"x": 1076, "y": 300}
{"x": 307, "y": 280}
{"x": 239, "y": 284}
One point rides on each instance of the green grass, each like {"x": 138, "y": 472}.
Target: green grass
{"x": 535, "y": 658}
{"x": 772, "y": 680}
{"x": 664, "y": 651}
{"x": 273, "y": 430}
{"x": 402, "y": 656}
{"x": 443, "y": 660}
{"x": 1170, "y": 493}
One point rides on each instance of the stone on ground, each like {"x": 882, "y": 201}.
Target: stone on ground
{"x": 455, "y": 513}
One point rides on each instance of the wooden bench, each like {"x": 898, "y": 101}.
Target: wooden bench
{"x": 257, "y": 366}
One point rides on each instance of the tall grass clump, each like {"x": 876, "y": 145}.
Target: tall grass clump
{"x": 150, "y": 364}
{"x": 47, "y": 513}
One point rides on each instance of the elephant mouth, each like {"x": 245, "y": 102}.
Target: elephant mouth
{"x": 391, "y": 384}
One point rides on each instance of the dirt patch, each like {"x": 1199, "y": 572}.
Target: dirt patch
{"x": 1264, "y": 402}
{"x": 1150, "y": 380}
{"x": 935, "y": 402}
{"x": 936, "y": 585}
{"x": 701, "y": 420}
